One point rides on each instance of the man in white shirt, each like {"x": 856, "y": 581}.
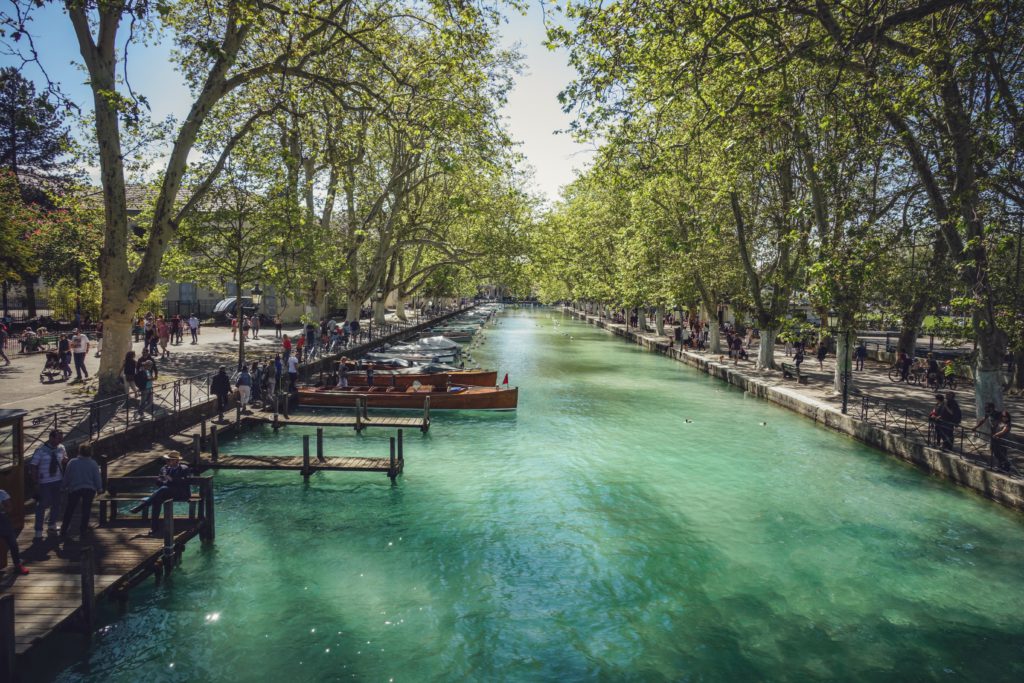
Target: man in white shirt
{"x": 193, "y": 326}
{"x": 293, "y": 372}
{"x": 79, "y": 348}
{"x": 45, "y": 470}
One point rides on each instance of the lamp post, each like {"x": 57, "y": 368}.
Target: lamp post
{"x": 833, "y": 323}
{"x": 257, "y": 298}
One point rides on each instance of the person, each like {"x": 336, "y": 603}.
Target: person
{"x": 342, "y": 375}
{"x": 346, "y": 332}
{"x": 860, "y": 355}
{"x": 956, "y": 414}
{"x": 997, "y": 430}
{"x": 82, "y": 481}
{"x": 369, "y": 375}
{"x": 286, "y": 346}
{"x": 941, "y": 419}
{"x": 948, "y": 372}
{"x": 798, "y": 358}
{"x": 244, "y": 385}
{"x": 278, "y": 372}
{"x": 277, "y": 326}
{"x": 256, "y": 325}
{"x": 80, "y": 347}
{"x": 221, "y": 387}
{"x": 193, "y": 327}
{"x": 45, "y": 470}
{"x": 99, "y": 339}
{"x": 3, "y": 342}
{"x": 822, "y": 352}
{"x": 904, "y": 363}
{"x": 8, "y": 534}
{"x": 257, "y": 381}
{"x": 64, "y": 351}
{"x": 300, "y": 344}
{"x": 246, "y": 326}
{"x": 163, "y": 334}
{"x": 144, "y": 376}
{"x": 234, "y": 328}
{"x": 128, "y": 369}
{"x": 173, "y": 480}
{"x": 293, "y": 372}
{"x": 933, "y": 371}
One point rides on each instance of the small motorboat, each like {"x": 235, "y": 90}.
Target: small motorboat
{"x": 438, "y": 375}
{"x": 413, "y": 397}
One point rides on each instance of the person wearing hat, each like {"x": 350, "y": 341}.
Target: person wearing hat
{"x": 173, "y": 480}
{"x": 220, "y": 386}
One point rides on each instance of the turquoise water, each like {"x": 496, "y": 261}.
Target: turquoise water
{"x": 635, "y": 520}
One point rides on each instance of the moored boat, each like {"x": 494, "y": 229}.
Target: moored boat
{"x": 403, "y": 379}
{"x": 413, "y": 397}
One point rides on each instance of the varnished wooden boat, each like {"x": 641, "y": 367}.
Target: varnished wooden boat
{"x": 412, "y": 398}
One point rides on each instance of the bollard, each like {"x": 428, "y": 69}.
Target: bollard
{"x": 88, "y": 573}
{"x": 426, "y": 414}
{"x": 168, "y": 536}
{"x": 202, "y": 430}
{"x": 320, "y": 444}
{"x": 305, "y": 457}
{"x": 359, "y": 421}
{"x": 214, "y": 446}
{"x": 7, "y": 653}
{"x": 196, "y": 450}
{"x": 401, "y": 452}
{"x": 392, "y": 469}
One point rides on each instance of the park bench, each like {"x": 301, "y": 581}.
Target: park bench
{"x": 118, "y": 492}
{"x": 791, "y": 371}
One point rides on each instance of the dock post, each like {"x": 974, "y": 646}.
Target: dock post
{"x": 196, "y": 450}
{"x": 103, "y": 472}
{"x": 287, "y": 402}
{"x": 7, "y": 655}
{"x": 214, "y": 449}
{"x": 209, "y": 526}
{"x": 202, "y": 431}
{"x": 305, "y": 457}
{"x": 359, "y": 413}
{"x": 426, "y": 414}
{"x": 168, "y": 536}
{"x": 277, "y": 403}
{"x": 401, "y": 452}
{"x": 320, "y": 444}
{"x": 392, "y": 469}
{"x": 238, "y": 418}
{"x": 88, "y": 571}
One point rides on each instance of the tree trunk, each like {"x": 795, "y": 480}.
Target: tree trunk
{"x": 1017, "y": 381}
{"x": 400, "y": 309}
{"x": 30, "y": 295}
{"x": 911, "y": 328}
{"x": 843, "y": 360}
{"x": 766, "y": 351}
{"x": 988, "y": 375}
{"x": 378, "y": 312}
{"x": 641, "y": 319}
{"x": 714, "y": 335}
{"x": 659, "y": 320}
{"x": 352, "y": 307}
{"x": 117, "y": 341}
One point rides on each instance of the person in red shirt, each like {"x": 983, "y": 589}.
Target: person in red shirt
{"x": 286, "y": 344}
{"x": 300, "y": 344}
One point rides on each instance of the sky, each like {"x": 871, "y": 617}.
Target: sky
{"x": 533, "y": 114}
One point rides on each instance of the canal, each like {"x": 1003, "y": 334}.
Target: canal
{"x": 634, "y": 520}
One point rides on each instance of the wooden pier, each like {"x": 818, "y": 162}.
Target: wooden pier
{"x": 68, "y": 577}
{"x": 359, "y": 420}
{"x": 305, "y": 464}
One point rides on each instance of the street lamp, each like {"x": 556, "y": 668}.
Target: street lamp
{"x": 833, "y": 323}
{"x": 257, "y": 297}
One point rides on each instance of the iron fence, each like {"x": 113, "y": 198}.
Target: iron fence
{"x": 117, "y": 414}
{"x": 921, "y": 427}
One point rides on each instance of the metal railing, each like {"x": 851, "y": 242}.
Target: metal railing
{"x": 117, "y": 413}
{"x": 921, "y": 427}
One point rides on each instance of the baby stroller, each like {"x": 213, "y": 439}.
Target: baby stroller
{"x": 54, "y": 366}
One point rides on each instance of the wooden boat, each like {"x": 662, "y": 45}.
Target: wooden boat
{"x": 403, "y": 380}
{"x": 412, "y": 398}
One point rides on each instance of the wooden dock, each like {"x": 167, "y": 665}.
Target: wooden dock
{"x": 359, "y": 419}
{"x": 393, "y": 465}
{"x": 68, "y": 577}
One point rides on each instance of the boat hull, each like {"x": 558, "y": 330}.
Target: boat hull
{"x": 472, "y": 378}
{"x": 466, "y": 398}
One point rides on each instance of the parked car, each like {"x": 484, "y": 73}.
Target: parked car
{"x": 226, "y": 307}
